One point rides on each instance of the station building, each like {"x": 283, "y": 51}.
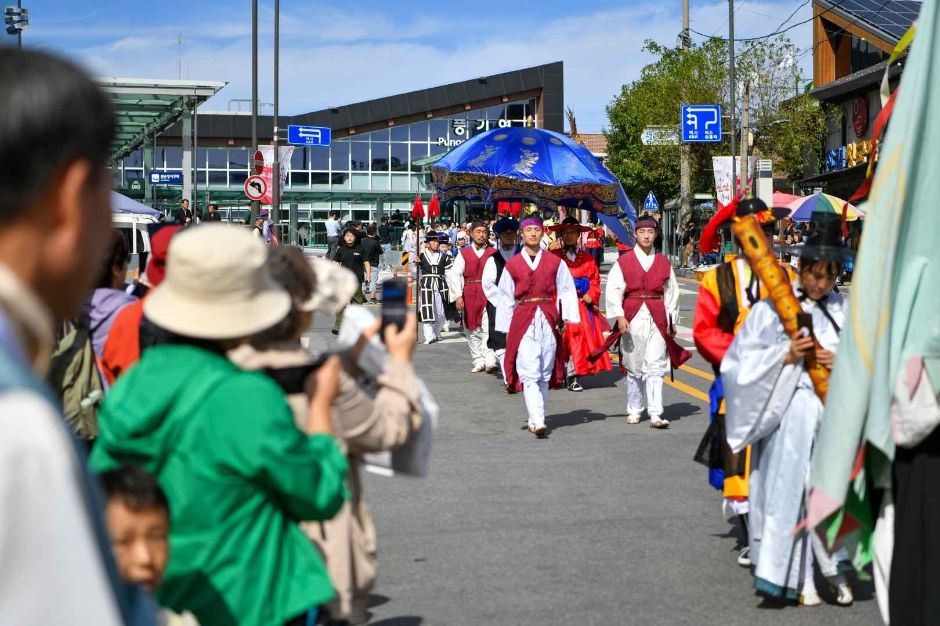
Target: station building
{"x": 379, "y": 159}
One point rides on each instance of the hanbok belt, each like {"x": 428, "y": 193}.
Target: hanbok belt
{"x": 645, "y": 296}
{"x": 472, "y": 281}
{"x": 523, "y": 301}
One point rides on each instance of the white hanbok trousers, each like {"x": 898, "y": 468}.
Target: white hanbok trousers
{"x": 535, "y": 361}
{"x": 432, "y": 330}
{"x": 654, "y": 395}
{"x": 482, "y": 356}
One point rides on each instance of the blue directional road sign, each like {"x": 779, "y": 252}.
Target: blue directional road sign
{"x": 701, "y": 123}
{"x": 309, "y": 135}
{"x": 166, "y": 178}
{"x": 651, "y": 203}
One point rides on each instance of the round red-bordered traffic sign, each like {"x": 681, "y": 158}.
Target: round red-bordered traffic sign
{"x": 255, "y": 187}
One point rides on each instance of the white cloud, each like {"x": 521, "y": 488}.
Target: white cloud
{"x": 359, "y": 55}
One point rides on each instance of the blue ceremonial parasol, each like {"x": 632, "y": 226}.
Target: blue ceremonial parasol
{"x": 528, "y": 164}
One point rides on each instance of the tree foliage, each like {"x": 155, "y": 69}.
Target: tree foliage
{"x": 782, "y": 121}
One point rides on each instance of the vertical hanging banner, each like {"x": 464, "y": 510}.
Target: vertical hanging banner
{"x": 724, "y": 189}
{"x": 267, "y": 172}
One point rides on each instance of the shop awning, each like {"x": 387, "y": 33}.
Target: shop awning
{"x": 144, "y": 107}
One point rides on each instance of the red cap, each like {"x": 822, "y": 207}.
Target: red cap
{"x": 159, "y": 246}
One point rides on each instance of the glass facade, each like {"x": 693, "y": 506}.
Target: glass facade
{"x": 393, "y": 159}
{"x": 381, "y": 160}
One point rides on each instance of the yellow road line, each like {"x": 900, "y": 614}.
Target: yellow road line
{"x": 697, "y": 372}
{"x": 692, "y": 391}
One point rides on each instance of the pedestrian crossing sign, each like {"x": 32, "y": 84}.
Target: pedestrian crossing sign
{"x": 651, "y": 203}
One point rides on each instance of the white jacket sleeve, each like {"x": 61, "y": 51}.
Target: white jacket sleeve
{"x": 613, "y": 294}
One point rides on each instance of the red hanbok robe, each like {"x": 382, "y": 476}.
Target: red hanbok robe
{"x": 583, "y": 338}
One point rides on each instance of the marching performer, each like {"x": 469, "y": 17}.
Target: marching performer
{"x": 643, "y": 296}
{"x": 465, "y": 283}
{"x": 536, "y": 292}
{"x": 433, "y": 265}
{"x": 582, "y": 339}
{"x": 774, "y": 407}
{"x": 507, "y": 233}
{"x": 725, "y": 298}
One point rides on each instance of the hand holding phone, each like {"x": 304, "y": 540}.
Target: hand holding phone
{"x": 394, "y": 307}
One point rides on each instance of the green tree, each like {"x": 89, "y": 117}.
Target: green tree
{"x": 782, "y": 124}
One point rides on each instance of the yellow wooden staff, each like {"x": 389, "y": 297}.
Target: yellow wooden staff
{"x": 747, "y": 229}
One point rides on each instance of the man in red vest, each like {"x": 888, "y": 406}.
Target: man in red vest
{"x": 536, "y": 292}
{"x": 642, "y": 294}
{"x": 582, "y": 339}
{"x": 465, "y": 282}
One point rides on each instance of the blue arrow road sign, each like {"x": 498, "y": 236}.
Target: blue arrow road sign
{"x": 309, "y": 135}
{"x": 701, "y": 123}
{"x": 651, "y": 203}
{"x": 166, "y": 178}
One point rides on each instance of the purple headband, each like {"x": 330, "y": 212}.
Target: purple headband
{"x": 646, "y": 222}
{"x": 532, "y": 220}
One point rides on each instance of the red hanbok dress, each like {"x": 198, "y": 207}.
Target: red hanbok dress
{"x": 583, "y": 338}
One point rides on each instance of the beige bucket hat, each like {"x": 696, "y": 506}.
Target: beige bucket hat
{"x": 217, "y": 286}
{"x": 335, "y": 287}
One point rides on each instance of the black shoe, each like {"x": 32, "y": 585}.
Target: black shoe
{"x": 334, "y": 331}
{"x": 574, "y": 385}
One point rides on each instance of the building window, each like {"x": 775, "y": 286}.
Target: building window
{"x": 864, "y": 55}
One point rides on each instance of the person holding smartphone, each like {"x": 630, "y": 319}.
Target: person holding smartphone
{"x": 363, "y": 420}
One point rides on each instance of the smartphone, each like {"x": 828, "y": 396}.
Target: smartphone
{"x": 394, "y": 307}
{"x": 805, "y": 320}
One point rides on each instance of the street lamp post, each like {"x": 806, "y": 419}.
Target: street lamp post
{"x": 255, "y": 205}
{"x": 731, "y": 89}
{"x": 17, "y": 19}
{"x": 276, "y": 175}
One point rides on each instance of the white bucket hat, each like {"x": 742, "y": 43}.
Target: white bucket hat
{"x": 217, "y": 286}
{"x": 335, "y": 286}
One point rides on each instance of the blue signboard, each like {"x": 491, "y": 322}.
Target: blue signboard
{"x": 701, "y": 123}
{"x": 651, "y": 203}
{"x": 309, "y": 135}
{"x": 166, "y": 178}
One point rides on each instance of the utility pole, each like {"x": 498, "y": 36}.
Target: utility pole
{"x": 685, "y": 183}
{"x": 731, "y": 82}
{"x": 745, "y": 131}
{"x": 255, "y": 205}
{"x": 276, "y": 175}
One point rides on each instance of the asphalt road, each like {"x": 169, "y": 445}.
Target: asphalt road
{"x": 602, "y": 523}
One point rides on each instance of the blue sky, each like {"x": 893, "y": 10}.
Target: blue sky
{"x": 335, "y": 53}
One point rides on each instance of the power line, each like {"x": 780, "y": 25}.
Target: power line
{"x": 780, "y": 30}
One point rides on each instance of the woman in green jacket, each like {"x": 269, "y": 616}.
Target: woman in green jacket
{"x": 222, "y": 442}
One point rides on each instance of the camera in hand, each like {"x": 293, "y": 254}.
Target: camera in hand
{"x": 394, "y": 307}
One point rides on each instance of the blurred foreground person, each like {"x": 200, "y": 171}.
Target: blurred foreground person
{"x": 130, "y": 332}
{"x": 364, "y": 420}
{"x": 138, "y": 518}
{"x": 773, "y": 407}
{"x": 56, "y": 129}
{"x": 222, "y": 442}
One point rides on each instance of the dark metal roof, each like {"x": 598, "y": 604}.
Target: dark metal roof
{"x": 888, "y": 19}
{"x": 545, "y": 80}
{"x": 857, "y": 83}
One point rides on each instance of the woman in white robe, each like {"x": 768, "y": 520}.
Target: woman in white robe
{"x": 772, "y": 406}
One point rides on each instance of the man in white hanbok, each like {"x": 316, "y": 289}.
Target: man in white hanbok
{"x": 535, "y": 292}
{"x": 465, "y": 286}
{"x": 507, "y": 233}
{"x": 643, "y": 296}
{"x": 771, "y": 405}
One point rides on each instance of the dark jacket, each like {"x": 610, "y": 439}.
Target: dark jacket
{"x": 352, "y": 258}
{"x": 209, "y": 216}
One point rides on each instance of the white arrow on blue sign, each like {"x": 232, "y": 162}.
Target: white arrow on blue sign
{"x": 701, "y": 123}
{"x": 651, "y": 203}
{"x": 298, "y": 135}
